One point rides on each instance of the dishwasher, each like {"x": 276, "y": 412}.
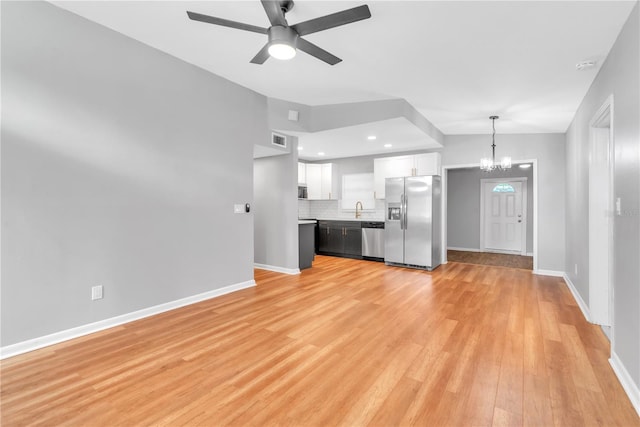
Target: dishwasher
{"x": 373, "y": 240}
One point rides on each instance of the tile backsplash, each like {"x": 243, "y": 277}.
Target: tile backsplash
{"x": 331, "y": 209}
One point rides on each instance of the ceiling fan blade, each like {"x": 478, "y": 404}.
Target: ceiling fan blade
{"x": 225, "y": 22}
{"x": 319, "y": 53}
{"x": 274, "y": 12}
{"x": 261, "y": 56}
{"x": 334, "y": 20}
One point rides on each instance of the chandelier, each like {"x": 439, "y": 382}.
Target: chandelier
{"x": 489, "y": 164}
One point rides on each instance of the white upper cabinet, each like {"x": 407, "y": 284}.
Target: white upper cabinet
{"x": 401, "y": 166}
{"x": 357, "y": 187}
{"x": 322, "y": 181}
{"x": 427, "y": 164}
{"x": 302, "y": 174}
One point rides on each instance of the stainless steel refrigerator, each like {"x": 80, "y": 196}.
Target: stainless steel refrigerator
{"x": 412, "y": 222}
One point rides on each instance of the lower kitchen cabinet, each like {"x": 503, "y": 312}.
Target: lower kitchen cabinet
{"x": 306, "y": 244}
{"x": 340, "y": 238}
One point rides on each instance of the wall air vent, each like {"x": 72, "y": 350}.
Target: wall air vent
{"x": 279, "y": 140}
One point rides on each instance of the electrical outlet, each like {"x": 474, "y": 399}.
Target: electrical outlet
{"x": 96, "y": 292}
{"x": 238, "y": 208}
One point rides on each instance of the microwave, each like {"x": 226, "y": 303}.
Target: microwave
{"x": 302, "y": 192}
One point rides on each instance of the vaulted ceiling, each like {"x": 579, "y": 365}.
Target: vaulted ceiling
{"x": 455, "y": 62}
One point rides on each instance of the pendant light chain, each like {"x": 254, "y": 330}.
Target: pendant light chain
{"x": 489, "y": 165}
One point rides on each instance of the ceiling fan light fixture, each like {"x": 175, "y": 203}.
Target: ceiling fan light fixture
{"x": 282, "y": 42}
{"x": 281, "y": 51}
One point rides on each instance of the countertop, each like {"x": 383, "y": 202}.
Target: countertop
{"x": 306, "y": 221}
{"x": 343, "y": 219}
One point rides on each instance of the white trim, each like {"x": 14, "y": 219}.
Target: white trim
{"x": 443, "y": 210}
{"x": 277, "y": 269}
{"x": 584, "y": 307}
{"x": 79, "y": 331}
{"x": 535, "y": 214}
{"x": 625, "y": 379}
{"x": 453, "y": 248}
{"x": 529, "y": 254}
{"x": 548, "y": 273}
{"x": 499, "y": 251}
{"x": 602, "y": 315}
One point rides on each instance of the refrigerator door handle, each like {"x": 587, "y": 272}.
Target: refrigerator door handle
{"x": 404, "y": 209}
{"x": 402, "y": 212}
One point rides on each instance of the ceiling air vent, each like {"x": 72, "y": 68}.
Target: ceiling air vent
{"x": 279, "y": 140}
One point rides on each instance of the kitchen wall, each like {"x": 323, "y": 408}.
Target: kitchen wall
{"x": 329, "y": 209}
{"x": 463, "y": 205}
{"x": 332, "y": 208}
{"x": 619, "y": 76}
{"x": 549, "y": 151}
{"x": 120, "y": 167}
{"x": 275, "y": 188}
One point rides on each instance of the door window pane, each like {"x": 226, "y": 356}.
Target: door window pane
{"x": 503, "y": 188}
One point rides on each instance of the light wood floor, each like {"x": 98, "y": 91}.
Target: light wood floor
{"x": 345, "y": 343}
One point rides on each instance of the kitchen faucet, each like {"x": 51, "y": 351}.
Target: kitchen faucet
{"x": 358, "y": 213}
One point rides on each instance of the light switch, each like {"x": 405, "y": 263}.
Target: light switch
{"x": 238, "y": 208}
{"x": 618, "y": 206}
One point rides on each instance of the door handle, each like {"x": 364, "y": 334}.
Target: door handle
{"x": 406, "y": 217}
{"x": 402, "y": 212}
{"x": 519, "y": 220}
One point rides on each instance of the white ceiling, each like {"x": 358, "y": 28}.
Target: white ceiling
{"x": 353, "y": 141}
{"x": 456, "y": 62}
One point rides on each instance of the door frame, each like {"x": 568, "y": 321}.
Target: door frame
{"x": 603, "y": 117}
{"x": 523, "y": 226}
{"x": 445, "y": 189}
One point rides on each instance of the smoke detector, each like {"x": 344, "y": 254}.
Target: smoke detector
{"x": 585, "y": 65}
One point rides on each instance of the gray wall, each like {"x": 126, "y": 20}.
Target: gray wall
{"x": 275, "y": 210}
{"x": 549, "y": 151}
{"x": 463, "y": 205}
{"x": 619, "y": 75}
{"x": 120, "y": 167}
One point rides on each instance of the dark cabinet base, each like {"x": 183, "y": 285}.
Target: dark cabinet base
{"x": 340, "y": 254}
{"x": 340, "y": 238}
{"x": 306, "y": 245}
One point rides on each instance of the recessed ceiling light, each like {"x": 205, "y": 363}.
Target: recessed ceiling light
{"x": 321, "y": 153}
{"x": 585, "y": 65}
{"x": 388, "y": 145}
{"x": 525, "y": 166}
{"x": 371, "y": 137}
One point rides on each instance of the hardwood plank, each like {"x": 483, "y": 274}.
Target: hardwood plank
{"x": 346, "y": 342}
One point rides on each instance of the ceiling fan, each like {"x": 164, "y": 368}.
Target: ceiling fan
{"x": 284, "y": 39}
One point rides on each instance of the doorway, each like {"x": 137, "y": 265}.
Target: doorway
{"x": 601, "y": 214}
{"x": 461, "y": 185}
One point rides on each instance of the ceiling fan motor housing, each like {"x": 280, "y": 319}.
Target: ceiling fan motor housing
{"x": 283, "y": 35}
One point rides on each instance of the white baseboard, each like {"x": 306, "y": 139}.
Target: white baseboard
{"x": 576, "y": 295}
{"x": 453, "y": 248}
{"x": 529, "y": 253}
{"x": 625, "y": 379}
{"x": 277, "y": 269}
{"x": 57, "y": 337}
{"x": 549, "y": 273}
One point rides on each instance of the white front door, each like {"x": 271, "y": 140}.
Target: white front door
{"x": 503, "y": 216}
